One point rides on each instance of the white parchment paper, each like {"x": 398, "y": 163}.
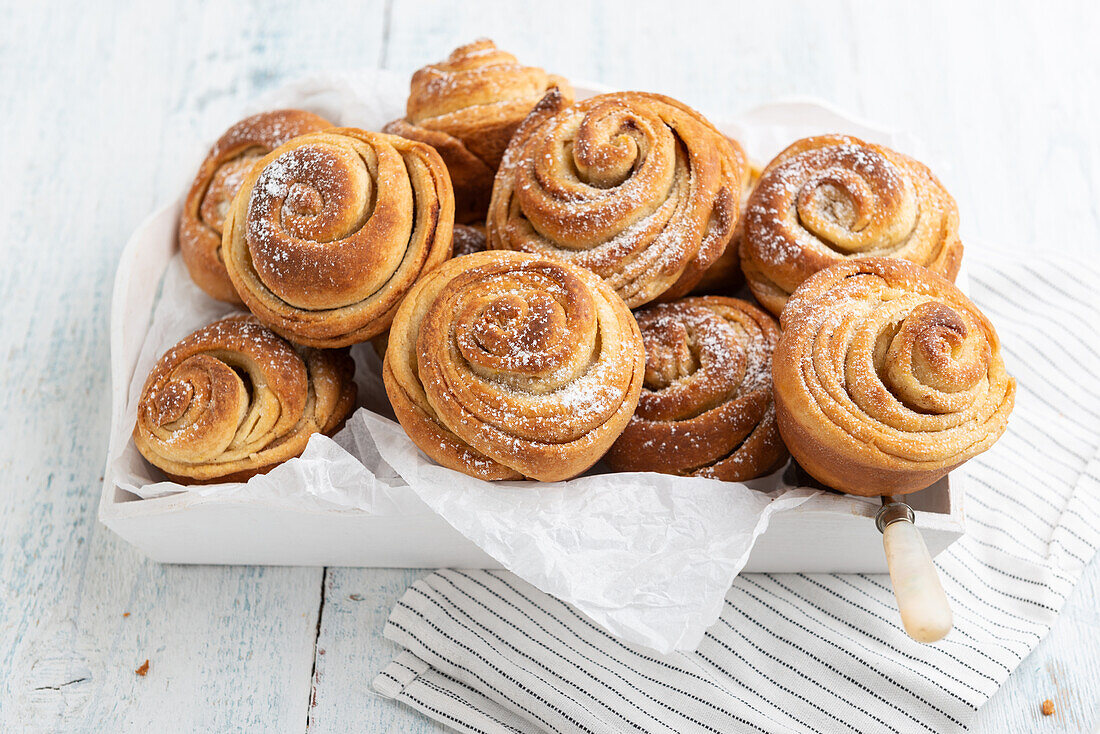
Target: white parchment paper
{"x": 648, "y": 557}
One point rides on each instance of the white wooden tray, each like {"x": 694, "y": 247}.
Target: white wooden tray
{"x": 828, "y": 533}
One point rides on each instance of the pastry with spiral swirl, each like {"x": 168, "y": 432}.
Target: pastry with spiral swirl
{"x": 706, "y": 404}
{"x": 724, "y": 277}
{"x": 636, "y": 187}
{"x": 887, "y": 377}
{"x": 508, "y": 365}
{"x": 217, "y": 182}
{"x": 830, "y": 198}
{"x": 330, "y": 230}
{"x": 233, "y": 400}
{"x": 467, "y": 108}
{"x": 466, "y": 239}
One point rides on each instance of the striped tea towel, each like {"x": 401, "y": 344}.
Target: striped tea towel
{"x": 486, "y": 652}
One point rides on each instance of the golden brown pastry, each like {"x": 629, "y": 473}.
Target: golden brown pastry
{"x": 507, "y": 365}
{"x": 636, "y": 187}
{"x": 467, "y": 108}
{"x": 706, "y": 405}
{"x": 724, "y": 277}
{"x": 233, "y": 400}
{"x": 829, "y": 198}
{"x": 465, "y": 240}
{"x": 887, "y": 377}
{"x": 217, "y": 182}
{"x": 330, "y": 230}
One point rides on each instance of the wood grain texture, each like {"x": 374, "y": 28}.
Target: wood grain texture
{"x": 104, "y": 107}
{"x": 351, "y": 651}
{"x": 97, "y": 104}
{"x": 1065, "y": 667}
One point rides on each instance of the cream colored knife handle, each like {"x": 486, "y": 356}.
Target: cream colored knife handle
{"x": 922, "y": 602}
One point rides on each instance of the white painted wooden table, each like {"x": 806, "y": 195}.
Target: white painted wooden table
{"x": 103, "y": 101}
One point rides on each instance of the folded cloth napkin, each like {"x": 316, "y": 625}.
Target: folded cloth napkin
{"x": 487, "y": 652}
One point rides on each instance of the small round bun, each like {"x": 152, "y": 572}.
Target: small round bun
{"x": 887, "y": 377}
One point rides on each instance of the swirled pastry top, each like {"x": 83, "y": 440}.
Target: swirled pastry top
{"x": 330, "y": 230}
{"x": 217, "y": 182}
{"x": 478, "y": 88}
{"x": 724, "y": 276}
{"x": 706, "y": 404}
{"x": 468, "y": 107}
{"x": 233, "y": 399}
{"x": 636, "y": 187}
{"x": 887, "y": 377}
{"x": 829, "y": 198}
{"x": 508, "y": 365}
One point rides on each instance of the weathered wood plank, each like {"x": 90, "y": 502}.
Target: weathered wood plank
{"x": 1065, "y": 668}
{"x": 351, "y": 651}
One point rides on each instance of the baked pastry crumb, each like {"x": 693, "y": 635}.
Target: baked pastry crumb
{"x": 331, "y": 229}
{"x": 504, "y": 365}
{"x": 649, "y": 212}
{"x": 216, "y": 183}
{"x": 467, "y": 108}
{"x": 199, "y": 392}
{"x": 706, "y": 403}
{"x": 916, "y": 386}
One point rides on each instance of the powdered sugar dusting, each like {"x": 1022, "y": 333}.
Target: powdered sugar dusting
{"x": 842, "y": 200}
{"x": 708, "y": 380}
{"x": 577, "y": 196}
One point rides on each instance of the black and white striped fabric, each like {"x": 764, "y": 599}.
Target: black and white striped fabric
{"x": 487, "y": 652}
